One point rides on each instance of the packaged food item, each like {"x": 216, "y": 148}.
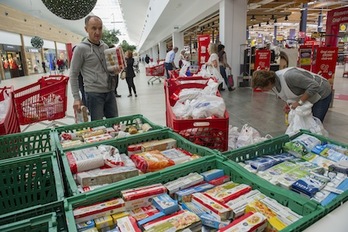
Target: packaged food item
{"x": 249, "y": 222}
{"x": 82, "y": 226}
{"x": 117, "y": 216}
{"x": 106, "y": 175}
{"x": 71, "y": 143}
{"x": 140, "y": 197}
{"x": 227, "y": 191}
{"x": 176, "y": 155}
{"x": 179, "y": 220}
{"x": 132, "y": 130}
{"x": 146, "y": 127}
{"x": 92, "y": 133}
{"x": 83, "y": 189}
{"x": 264, "y": 162}
{"x": 84, "y": 159}
{"x": 329, "y": 153}
{"x": 212, "y": 174}
{"x": 308, "y": 141}
{"x": 206, "y": 218}
{"x": 143, "y": 212}
{"x": 106, "y": 208}
{"x": 98, "y": 138}
{"x": 212, "y": 206}
{"x": 150, "y": 218}
{"x": 127, "y": 161}
{"x": 310, "y": 184}
{"x": 274, "y": 224}
{"x": 134, "y": 149}
{"x": 165, "y": 203}
{"x": 115, "y": 59}
{"x": 185, "y": 195}
{"x": 151, "y": 161}
{"x": 128, "y": 224}
{"x": 111, "y": 155}
{"x": 161, "y": 145}
{"x": 183, "y": 182}
{"x": 272, "y": 174}
{"x": 220, "y": 180}
{"x": 102, "y": 222}
{"x": 340, "y": 167}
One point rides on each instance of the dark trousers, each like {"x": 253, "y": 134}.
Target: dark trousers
{"x": 224, "y": 75}
{"x": 82, "y": 90}
{"x": 130, "y": 83}
{"x": 168, "y": 66}
{"x": 321, "y": 107}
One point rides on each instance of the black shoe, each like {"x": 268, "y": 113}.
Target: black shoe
{"x": 136, "y": 95}
{"x": 231, "y": 88}
{"x": 129, "y": 95}
{"x": 117, "y": 95}
{"x": 222, "y": 89}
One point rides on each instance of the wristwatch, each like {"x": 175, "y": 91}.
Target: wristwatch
{"x": 300, "y": 102}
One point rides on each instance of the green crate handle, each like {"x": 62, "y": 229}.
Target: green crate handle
{"x": 33, "y": 223}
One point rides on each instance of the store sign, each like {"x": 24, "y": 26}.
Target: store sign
{"x": 11, "y": 47}
{"x": 334, "y": 20}
{"x": 305, "y": 57}
{"x": 326, "y": 62}
{"x": 262, "y": 59}
{"x": 34, "y": 50}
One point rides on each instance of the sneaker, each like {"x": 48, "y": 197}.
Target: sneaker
{"x": 136, "y": 95}
{"x": 117, "y": 95}
{"x": 129, "y": 95}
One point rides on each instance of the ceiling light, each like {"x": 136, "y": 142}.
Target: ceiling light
{"x": 286, "y": 18}
{"x": 252, "y": 18}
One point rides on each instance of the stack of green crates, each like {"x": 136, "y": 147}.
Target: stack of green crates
{"x": 122, "y": 145}
{"x": 30, "y": 180}
{"x": 310, "y": 211}
{"x": 275, "y": 146}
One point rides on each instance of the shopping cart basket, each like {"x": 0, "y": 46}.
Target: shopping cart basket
{"x": 8, "y": 118}
{"x": 44, "y": 100}
{"x": 155, "y": 72}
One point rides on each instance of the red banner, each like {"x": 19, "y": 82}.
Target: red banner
{"x": 262, "y": 59}
{"x": 203, "y": 54}
{"x": 334, "y": 19}
{"x": 325, "y": 64}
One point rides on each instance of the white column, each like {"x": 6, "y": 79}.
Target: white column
{"x": 154, "y": 52}
{"x": 162, "y": 50}
{"x": 178, "y": 41}
{"x": 232, "y": 31}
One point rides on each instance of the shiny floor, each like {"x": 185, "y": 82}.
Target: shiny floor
{"x": 263, "y": 111}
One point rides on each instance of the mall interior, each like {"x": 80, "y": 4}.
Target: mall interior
{"x": 287, "y": 29}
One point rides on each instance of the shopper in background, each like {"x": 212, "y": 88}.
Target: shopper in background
{"x": 147, "y": 59}
{"x": 296, "y": 86}
{"x": 43, "y": 64}
{"x": 99, "y": 84}
{"x": 130, "y": 73}
{"x": 223, "y": 65}
{"x": 169, "y": 61}
{"x": 182, "y": 57}
{"x": 213, "y": 64}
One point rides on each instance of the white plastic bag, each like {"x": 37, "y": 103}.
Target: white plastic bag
{"x": 233, "y": 134}
{"x": 207, "y": 106}
{"x": 247, "y": 136}
{"x": 302, "y": 118}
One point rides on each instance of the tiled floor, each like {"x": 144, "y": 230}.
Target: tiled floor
{"x": 262, "y": 111}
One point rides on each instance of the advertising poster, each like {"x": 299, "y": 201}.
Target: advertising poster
{"x": 305, "y": 57}
{"x": 326, "y": 62}
{"x": 203, "y": 54}
{"x": 262, "y": 59}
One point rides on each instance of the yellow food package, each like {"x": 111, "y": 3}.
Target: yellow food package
{"x": 273, "y": 222}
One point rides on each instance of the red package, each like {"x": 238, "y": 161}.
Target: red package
{"x": 151, "y": 161}
{"x": 220, "y": 180}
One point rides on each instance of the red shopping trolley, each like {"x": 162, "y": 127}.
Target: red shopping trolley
{"x": 155, "y": 72}
{"x": 8, "y": 117}
{"x": 44, "y": 100}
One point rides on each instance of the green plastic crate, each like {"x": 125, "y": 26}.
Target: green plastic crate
{"x": 311, "y": 212}
{"x": 26, "y": 215}
{"x": 27, "y": 143}
{"x": 29, "y": 182}
{"x": 275, "y": 146}
{"x": 127, "y": 120}
{"x": 43, "y": 223}
{"x": 122, "y": 145}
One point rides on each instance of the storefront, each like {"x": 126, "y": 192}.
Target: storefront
{"x": 33, "y": 57}
{"x": 62, "y": 61}
{"x": 11, "y": 55}
{"x": 50, "y": 56}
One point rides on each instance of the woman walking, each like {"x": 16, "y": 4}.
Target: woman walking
{"x": 130, "y": 73}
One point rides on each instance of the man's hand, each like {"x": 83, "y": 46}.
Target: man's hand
{"x": 294, "y": 105}
{"x": 77, "y": 105}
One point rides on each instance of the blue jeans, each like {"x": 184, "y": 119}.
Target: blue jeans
{"x": 102, "y": 105}
{"x": 168, "y": 66}
{"x": 224, "y": 75}
{"x": 321, "y": 107}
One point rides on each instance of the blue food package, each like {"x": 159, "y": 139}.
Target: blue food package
{"x": 85, "y": 225}
{"x": 310, "y": 184}
{"x": 343, "y": 187}
{"x": 185, "y": 194}
{"x": 265, "y": 162}
{"x": 150, "y": 218}
{"x": 329, "y": 153}
{"x": 212, "y": 174}
{"x": 165, "y": 204}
